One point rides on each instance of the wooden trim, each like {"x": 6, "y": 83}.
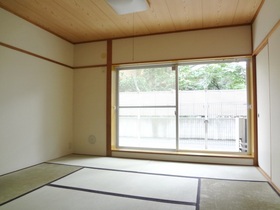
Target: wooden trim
{"x": 254, "y": 122}
{"x": 50, "y": 60}
{"x": 92, "y": 41}
{"x": 269, "y": 180}
{"x": 109, "y": 99}
{"x": 274, "y": 187}
{"x": 195, "y": 154}
{"x": 34, "y": 55}
{"x": 260, "y": 47}
{"x": 185, "y": 59}
{"x": 90, "y": 66}
{"x": 265, "y": 40}
{"x": 252, "y": 40}
{"x": 183, "y": 159}
{"x": 258, "y": 11}
{"x": 201, "y": 154}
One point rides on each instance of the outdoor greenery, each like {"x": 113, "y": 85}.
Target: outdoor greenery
{"x": 216, "y": 76}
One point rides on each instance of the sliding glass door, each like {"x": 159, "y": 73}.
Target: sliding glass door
{"x": 187, "y": 107}
{"x": 146, "y": 108}
{"x": 213, "y": 107}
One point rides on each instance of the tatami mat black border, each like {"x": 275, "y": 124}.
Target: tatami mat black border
{"x": 179, "y": 176}
{"x": 159, "y": 174}
{"x": 8, "y": 201}
{"x": 274, "y": 189}
{"x": 196, "y": 204}
{"x": 198, "y": 194}
{"x": 124, "y": 195}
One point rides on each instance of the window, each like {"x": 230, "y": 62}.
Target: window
{"x": 146, "y": 109}
{"x": 184, "y": 107}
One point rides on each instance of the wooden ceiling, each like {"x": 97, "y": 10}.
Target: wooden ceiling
{"x": 88, "y": 20}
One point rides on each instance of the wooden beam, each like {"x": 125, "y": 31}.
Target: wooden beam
{"x": 255, "y": 114}
{"x": 109, "y": 99}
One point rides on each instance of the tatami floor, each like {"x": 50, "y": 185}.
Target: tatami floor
{"x": 103, "y": 183}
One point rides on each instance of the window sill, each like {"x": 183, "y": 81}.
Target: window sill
{"x": 186, "y": 153}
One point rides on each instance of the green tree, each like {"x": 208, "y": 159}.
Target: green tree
{"x": 154, "y": 79}
{"x": 216, "y": 76}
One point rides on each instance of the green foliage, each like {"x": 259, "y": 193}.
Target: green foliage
{"x": 217, "y": 76}
{"x": 143, "y": 80}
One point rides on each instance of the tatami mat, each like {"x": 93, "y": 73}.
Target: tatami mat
{"x": 23, "y": 181}
{"x": 166, "y": 188}
{"x": 47, "y": 198}
{"x": 232, "y": 195}
{"x": 103, "y": 183}
{"x": 161, "y": 167}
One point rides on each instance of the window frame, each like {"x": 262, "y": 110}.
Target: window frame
{"x": 249, "y": 89}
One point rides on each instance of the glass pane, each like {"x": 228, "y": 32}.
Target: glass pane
{"x": 147, "y": 128}
{"x": 147, "y": 87}
{"x": 213, "y": 107}
{"x": 151, "y": 125}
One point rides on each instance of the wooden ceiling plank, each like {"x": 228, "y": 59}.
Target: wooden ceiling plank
{"x": 218, "y": 12}
{"x": 73, "y": 19}
{"x": 110, "y": 28}
{"x": 95, "y": 20}
{"x": 140, "y": 27}
{"x": 186, "y": 14}
{"x": 179, "y": 14}
{"x": 196, "y": 13}
{"x": 124, "y": 23}
{"x": 245, "y": 11}
{"x": 226, "y": 15}
{"x": 208, "y": 8}
{"x": 90, "y": 20}
{"x": 163, "y": 16}
{"x": 157, "y": 18}
{"x": 55, "y": 14}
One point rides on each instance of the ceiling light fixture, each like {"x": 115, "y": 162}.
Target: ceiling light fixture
{"x": 123, "y": 7}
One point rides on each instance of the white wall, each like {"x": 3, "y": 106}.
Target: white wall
{"x": 274, "y": 68}
{"x": 268, "y": 16}
{"x": 263, "y": 110}
{"x": 24, "y": 35}
{"x": 90, "y": 98}
{"x": 90, "y": 83}
{"x": 268, "y": 64}
{"x": 193, "y": 44}
{"x": 90, "y": 111}
{"x": 36, "y": 95}
{"x": 87, "y": 54}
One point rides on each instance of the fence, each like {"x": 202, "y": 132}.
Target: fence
{"x": 225, "y": 113}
